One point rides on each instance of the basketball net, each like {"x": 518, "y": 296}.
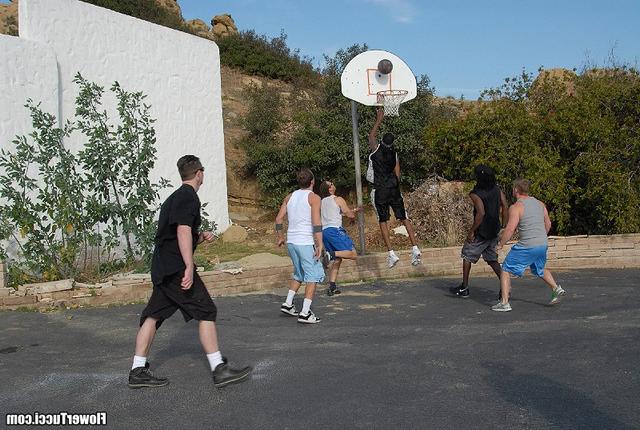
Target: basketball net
{"x": 391, "y": 100}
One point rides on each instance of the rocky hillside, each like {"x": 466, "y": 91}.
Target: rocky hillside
{"x": 9, "y": 18}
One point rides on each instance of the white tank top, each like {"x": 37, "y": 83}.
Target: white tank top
{"x": 331, "y": 215}
{"x": 300, "y": 230}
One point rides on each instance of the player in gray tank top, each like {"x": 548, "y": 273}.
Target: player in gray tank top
{"x": 531, "y": 218}
{"x": 532, "y": 223}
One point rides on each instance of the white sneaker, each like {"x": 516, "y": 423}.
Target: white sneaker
{"x": 309, "y": 318}
{"x": 416, "y": 257}
{"x": 289, "y": 309}
{"x": 556, "y": 294}
{"x": 392, "y": 259}
{"x": 501, "y": 307}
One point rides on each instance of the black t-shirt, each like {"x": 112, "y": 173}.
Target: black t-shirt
{"x": 181, "y": 208}
{"x": 383, "y": 161}
{"x": 490, "y": 226}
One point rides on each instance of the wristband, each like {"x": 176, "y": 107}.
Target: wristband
{"x": 317, "y": 229}
{"x": 278, "y": 227}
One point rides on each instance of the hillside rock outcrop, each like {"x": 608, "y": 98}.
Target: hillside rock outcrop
{"x": 9, "y": 18}
{"x": 223, "y": 25}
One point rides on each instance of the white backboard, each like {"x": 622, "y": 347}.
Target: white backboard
{"x": 361, "y": 81}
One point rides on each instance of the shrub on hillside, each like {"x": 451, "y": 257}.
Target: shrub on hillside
{"x": 147, "y": 10}
{"x": 580, "y": 149}
{"x": 318, "y": 133}
{"x": 272, "y": 58}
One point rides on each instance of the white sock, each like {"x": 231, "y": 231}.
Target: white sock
{"x": 306, "y": 307}
{"x": 138, "y": 362}
{"x": 391, "y": 253}
{"x": 415, "y": 249}
{"x": 214, "y": 358}
{"x": 290, "y": 295}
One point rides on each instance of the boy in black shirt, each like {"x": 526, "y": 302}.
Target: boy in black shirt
{"x": 488, "y": 201}
{"x": 176, "y": 285}
{"x": 384, "y": 174}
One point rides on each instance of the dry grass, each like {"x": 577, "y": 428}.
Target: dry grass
{"x": 441, "y": 212}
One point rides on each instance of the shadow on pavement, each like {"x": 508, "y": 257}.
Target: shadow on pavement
{"x": 562, "y": 406}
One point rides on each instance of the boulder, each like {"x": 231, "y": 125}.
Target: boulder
{"x": 223, "y": 25}
{"x": 171, "y": 5}
{"x": 235, "y": 234}
{"x": 198, "y": 26}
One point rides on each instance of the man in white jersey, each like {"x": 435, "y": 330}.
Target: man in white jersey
{"x": 384, "y": 175}
{"x": 531, "y": 218}
{"x": 304, "y": 244}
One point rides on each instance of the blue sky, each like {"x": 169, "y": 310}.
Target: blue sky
{"x": 462, "y": 45}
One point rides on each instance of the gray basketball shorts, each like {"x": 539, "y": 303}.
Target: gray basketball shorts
{"x": 471, "y": 251}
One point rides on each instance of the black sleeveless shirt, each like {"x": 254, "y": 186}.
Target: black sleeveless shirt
{"x": 490, "y": 226}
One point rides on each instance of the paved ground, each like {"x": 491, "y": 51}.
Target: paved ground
{"x": 387, "y": 355}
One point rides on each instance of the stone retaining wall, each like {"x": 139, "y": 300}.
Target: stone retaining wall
{"x": 574, "y": 252}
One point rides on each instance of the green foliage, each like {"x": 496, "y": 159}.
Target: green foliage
{"x": 147, "y": 10}
{"x": 258, "y": 55}
{"x": 118, "y": 161}
{"x": 580, "y": 148}
{"x": 317, "y": 132}
{"x": 44, "y": 198}
{"x": 61, "y": 207}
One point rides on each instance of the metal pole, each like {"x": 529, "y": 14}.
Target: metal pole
{"x": 356, "y": 160}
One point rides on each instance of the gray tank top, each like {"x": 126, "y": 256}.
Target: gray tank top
{"x": 531, "y": 226}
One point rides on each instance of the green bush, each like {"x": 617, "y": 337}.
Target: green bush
{"x": 317, "y": 132}
{"x": 147, "y": 10}
{"x": 258, "y": 55}
{"x": 69, "y": 212}
{"x": 580, "y": 148}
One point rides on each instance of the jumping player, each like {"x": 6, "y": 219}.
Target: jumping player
{"x": 384, "y": 173}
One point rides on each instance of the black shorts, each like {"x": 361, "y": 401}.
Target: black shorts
{"x": 168, "y": 297}
{"x": 382, "y": 198}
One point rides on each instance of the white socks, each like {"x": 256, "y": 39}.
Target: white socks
{"x": 214, "y": 358}
{"x": 415, "y": 249}
{"x": 138, "y": 362}
{"x": 290, "y": 295}
{"x": 306, "y": 307}
{"x": 392, "y": 254}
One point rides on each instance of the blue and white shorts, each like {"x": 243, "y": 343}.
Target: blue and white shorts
{"x": 336, "y": 239}
{"x": 519, "y": 258}
{"x": 305, "y": 267}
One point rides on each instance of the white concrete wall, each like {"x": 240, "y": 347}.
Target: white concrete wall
{"x": 179, "y": 73}
{"x": 27, "y": 70}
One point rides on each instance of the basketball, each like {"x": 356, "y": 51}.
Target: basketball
{"x": 385, "y": 66}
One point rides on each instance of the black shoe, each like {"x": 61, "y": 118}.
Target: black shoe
{"x": 225, "y": 375}
{"x": 333, "y": 290}
{"x": 142, "y": 377}
{"x": 460, "y": 291}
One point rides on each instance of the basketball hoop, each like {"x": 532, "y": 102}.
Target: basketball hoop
{"x": 391, "y": 100}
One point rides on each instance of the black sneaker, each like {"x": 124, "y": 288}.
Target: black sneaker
{"x": 460, "y": 291}
{"x": 225, "y": 375}
{"x": 333, "y": 290}
{"x": 142, "y": 377}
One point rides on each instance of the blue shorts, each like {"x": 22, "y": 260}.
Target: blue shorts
{"x": 336, "y": 239}
{"x": 519, "y": 258}
{"x": 305, "y": 267}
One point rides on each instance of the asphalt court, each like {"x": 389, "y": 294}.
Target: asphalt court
{"x": 402, "y": 354}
